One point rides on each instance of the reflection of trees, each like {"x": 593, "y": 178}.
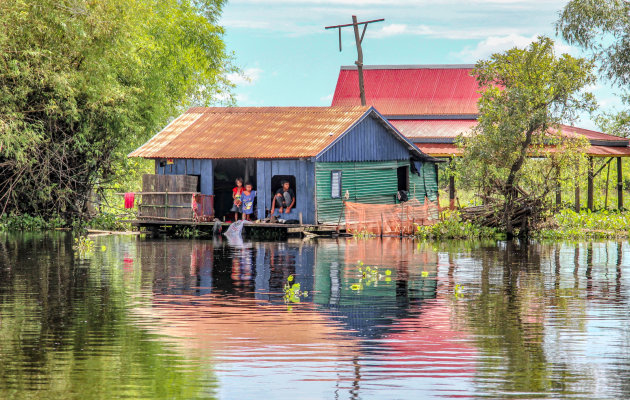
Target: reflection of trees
{"x": 66, "y": 332}
{"x": 529, "y": 300}
{"x": 508, "y": 317}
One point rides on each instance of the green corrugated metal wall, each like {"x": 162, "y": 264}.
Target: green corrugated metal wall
{"x": 425, "y": 183}
{"x": 368, "y": 182}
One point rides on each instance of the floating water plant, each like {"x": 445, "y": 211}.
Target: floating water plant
{"x": 83, "y": 245}
{"x": 292, "y": 291}
{"x": 457, "y": 292}
{"x": 370, "y": 276}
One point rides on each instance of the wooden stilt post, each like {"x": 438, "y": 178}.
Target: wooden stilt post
{"x": 558, "y": 195}
{"x": 577, "y": 195}
{"x": 607, "y": 184}
{"x": 589, "y": 200}
{"x": 451, "y": 192}
{"x": 619, "y": 184}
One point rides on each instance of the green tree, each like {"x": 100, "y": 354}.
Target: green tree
{"x": 602, "y": 28}
{"x": 83, "y": 82}
{"x": 526, "y": 95}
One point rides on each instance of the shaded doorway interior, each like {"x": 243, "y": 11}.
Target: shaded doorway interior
{"x": 225, "y": 174}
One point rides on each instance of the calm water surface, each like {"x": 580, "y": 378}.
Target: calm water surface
{"x": 186, "y": 319}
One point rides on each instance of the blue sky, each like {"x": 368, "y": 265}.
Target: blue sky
{"x": 287, "y": 57}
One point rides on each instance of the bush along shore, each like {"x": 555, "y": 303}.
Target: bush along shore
{"x": 565, "y": 224}
{"x": 26, "y": 222}
{"x": 568, "y": 224}
{"x": 452, "y": 226}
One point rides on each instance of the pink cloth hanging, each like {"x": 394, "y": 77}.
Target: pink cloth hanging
{"x": 129, "y": 199}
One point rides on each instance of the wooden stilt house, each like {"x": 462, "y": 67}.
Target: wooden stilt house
{"x": 326, "y": 154}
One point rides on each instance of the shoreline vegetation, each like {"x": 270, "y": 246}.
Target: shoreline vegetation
{"x": 563, "y": 225}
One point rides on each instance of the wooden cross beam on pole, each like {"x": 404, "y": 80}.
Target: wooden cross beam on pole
{"x": 358, "y": 39}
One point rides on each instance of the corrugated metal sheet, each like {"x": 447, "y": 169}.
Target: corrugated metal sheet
{"x": 590, "y": 134}
{"x": 369, "y": 140}
{"x": 251, "y": 132}
{"x": 440, "y": 149}
{"x": 424, "y": 90}
{"x": 450, "y": 128}
{"x": 424, "y": 184}
{"x": 451, "y": 150}
{"x": 375, "y": 182}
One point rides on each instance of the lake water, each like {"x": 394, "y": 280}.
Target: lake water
{"x": 194, "y": 319}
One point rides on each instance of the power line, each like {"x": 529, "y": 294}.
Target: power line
{"x": 358, "y": 39}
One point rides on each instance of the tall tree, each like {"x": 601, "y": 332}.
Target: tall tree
{"x": 82, "y": 82}
{"x": 602, "y": 27}
{"x": 526, "y": 95}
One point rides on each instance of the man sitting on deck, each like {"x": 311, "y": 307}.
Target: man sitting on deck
{"x": 284, "y": 198}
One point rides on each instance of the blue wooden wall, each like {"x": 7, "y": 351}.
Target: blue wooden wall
{"x": 369, "y": 140}
{"x": 304, "y": 172}
{"x": 203, "y": 168}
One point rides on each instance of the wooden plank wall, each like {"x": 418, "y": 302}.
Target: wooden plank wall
{"x": 202, "y": 168}
{"x": 167, "y": 183}
{"x": 304, "y": 173}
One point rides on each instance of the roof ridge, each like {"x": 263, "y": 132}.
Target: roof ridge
{"x": 411, "y": 66}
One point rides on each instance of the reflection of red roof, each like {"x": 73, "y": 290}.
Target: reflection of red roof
{"x": 411, "y": 90}
{"x": 430, "y": 346}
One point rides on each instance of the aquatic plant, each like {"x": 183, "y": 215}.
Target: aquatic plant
{"x": 451, "y": 226}
{"x": 370, "y": 276}
{"x": 26, "y": 222}
{"x": 457, "y": 291}
{"x": 568, "y": 224}
{"x": 364, "y": 234}
{"x": 83, "y": 245}
{"x": 292, "y": 291}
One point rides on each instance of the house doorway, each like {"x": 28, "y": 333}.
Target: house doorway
{"x": 225, "y": 174}
{"x": 403, "y": 178}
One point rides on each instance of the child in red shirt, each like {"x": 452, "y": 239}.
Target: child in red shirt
{"x": 237, "y": 192}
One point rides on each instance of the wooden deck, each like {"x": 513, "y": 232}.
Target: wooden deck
{"x": 288, "y": 229}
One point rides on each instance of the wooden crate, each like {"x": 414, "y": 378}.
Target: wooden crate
{"x": 169, "y": 197}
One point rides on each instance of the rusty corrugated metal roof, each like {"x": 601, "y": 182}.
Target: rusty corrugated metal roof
{"x": 452, "y": 150}
{"x": 411, "y": 90}
{"x": 446, "y": 128}
{"x": 251, "y": 132}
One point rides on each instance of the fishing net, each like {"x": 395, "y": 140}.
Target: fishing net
{"x": 234, "y": 233}
{"x": 390, "y": 219}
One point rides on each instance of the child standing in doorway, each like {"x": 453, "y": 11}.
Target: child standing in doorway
{"x": 237, "y": 193}
{"x": 247, "y": 198}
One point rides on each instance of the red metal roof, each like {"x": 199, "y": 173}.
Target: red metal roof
{"x": 411, "y": 90}
{"x": 251, "y": 132}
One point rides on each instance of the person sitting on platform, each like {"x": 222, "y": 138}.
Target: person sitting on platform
{"x": 247, "y": 199}
{"x": 284, "y": 199}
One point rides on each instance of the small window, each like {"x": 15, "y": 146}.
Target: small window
{"x": 276, "y": 184}
{"x": 335, "y": 184}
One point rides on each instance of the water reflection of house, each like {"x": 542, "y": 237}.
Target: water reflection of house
{"x": 226, "y": 303}
{"x": 368, "y": 306}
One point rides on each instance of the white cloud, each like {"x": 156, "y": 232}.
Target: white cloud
{"x": 326, "y": 99}
{"x": 248, "y": 77}
{"x": 497, "y": 44}
{"x": 435, "y": 18}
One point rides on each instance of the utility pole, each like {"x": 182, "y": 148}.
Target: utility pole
{"x": 359, "y": 39}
